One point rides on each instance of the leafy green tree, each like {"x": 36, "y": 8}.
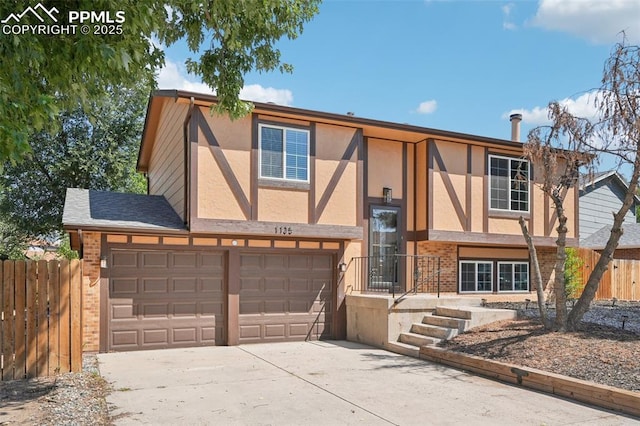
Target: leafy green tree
{"x": 573, "y": 282}
{"x": 96, "y": 149}
{"x": 13, "y": 242}
{"x": 43, "y": 74}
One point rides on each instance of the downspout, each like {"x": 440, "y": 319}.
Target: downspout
{"x": 187, "y": 165}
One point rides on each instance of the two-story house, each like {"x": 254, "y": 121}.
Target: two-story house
{"x": 251, "y": 226}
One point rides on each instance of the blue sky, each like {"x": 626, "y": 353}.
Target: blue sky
{"x": 462, "y": 66}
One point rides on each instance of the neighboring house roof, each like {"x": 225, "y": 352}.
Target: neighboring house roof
{"x": 588, "y": 181}
{"x": 630, "y": 237}
{"x": 89, "y": 209}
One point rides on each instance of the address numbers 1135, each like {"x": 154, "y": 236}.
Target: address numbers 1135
{"x": 283, "y": 230}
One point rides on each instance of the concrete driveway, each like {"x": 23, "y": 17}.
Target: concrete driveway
{"x": 319, "y": 383}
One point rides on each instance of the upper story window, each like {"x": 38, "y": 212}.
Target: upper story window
{"x": 284, "y": 153}
{"x": 509, "y": 183}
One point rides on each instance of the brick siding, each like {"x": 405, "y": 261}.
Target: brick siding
{"x": 91, "y": 292}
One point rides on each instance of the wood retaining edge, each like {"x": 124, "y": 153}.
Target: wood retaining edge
{"x": 603, "y": 396}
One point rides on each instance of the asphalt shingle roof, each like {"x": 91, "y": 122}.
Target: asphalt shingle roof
{"x": 630, "y": 237}
{"x": 85, "y": 208}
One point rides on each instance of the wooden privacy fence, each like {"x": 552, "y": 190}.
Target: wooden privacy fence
{"x": 621, "y": 280}
{"x": 41, "y": 314}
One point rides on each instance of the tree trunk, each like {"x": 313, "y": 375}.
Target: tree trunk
{"x": 561, "y": 257}
{"x": 537, "y": 275}
{"x": 590, "y": 289}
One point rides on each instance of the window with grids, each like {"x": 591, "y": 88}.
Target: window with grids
{"x": 509, "y": 183}
{"x": 284, "y": 153}
{"x": 513, "y": 276}
{"x": 476, "y": 276}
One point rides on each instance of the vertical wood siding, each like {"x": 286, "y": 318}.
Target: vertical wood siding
{"x": 166, "y": 167}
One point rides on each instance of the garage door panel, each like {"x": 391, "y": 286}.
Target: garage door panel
{"x": 208, "y": 334}
{"x": 125, "y": 338}
{"x": 302, "y": 263}
{"x": 155, "y": 336}
{"x": 211, "y": 309}
{"x": 184, "y": 285}
{"x": 183, "y": 260}
{"x": 274, "y": 330}
{"x": 275, "y": 262}
{"x": 249, "y": 308}
{"x": 274, "y": 306}
{"x": 122, "y": 311}
{"x": 185, "y": 309}
{"x": 250, "y": 285}
{"x": 322, "y": 263}
{"x": 283, "y": 297}
{"x": 277, "y": 285}
{"x": 124, "y": 286}
{"x": 124, "y": 260}
{"x": 154, "y": 285}
{"x": 212, "y": 261}
{"x": 210, "y": 285}
{"x": 154, "y": 259}
{"x": 185, "y": 335}
{"x": 153, "y": 310}
{"x": 173, "y": 299}
{"x": 299, "y": 285}
{"x": 250, "y": 332}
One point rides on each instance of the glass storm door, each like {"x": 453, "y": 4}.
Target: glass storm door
{"x": 384, "y": 244}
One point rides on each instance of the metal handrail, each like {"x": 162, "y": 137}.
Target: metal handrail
{"x": 384, "y": 273}
{"x": 414, "y": 289}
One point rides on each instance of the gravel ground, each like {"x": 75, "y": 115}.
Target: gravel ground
{"x": 67, "y": 399}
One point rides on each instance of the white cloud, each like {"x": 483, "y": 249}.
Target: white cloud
{"x": 257, "y": 93}
{"x": 582, "y": 106}
{"x": 599, "y": 21}
{"x": 507, "y": 23}
{"x": 427, "y": 107}
{"x": 173, "y": 76}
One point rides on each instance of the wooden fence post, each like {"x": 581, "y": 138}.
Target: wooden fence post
{"x": 76, "y": 315}
{"x": 20, "y": 344}
{"x": 8, "y": 338}
{"x": 32, "y": 335}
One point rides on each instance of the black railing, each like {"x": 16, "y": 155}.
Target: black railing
{"x": 397, "y": 273}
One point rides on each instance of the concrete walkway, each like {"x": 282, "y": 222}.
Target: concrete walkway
{"x": 319, "y": 383}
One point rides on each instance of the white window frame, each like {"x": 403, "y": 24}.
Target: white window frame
{"x": 513, "y": 281}
{"x": 474, "y": 262}
{"x": 284, "y": 152}
{"x": 509, "y": 159}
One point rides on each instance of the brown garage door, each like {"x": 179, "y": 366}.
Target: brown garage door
{"x": 164, "y": 299}
{"x": 285, "y": 297}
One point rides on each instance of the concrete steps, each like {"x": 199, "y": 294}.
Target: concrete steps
{"x": 446, "y": 323}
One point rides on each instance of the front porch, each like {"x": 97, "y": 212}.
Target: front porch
{"x": 389, "y": 322}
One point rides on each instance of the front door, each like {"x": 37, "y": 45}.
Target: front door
{"x": 384, "y": 244}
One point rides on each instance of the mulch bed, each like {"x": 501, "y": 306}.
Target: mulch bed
{"x": 598, "y": 352}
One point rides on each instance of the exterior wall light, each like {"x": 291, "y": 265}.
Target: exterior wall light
{"x": 342, "y": 267}
{"x": 103, "y": 262}
{"x": 387, "y": 195}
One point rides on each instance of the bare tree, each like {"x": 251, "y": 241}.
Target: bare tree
{"x": 570, "y": 143}
{"x": 619, "y": 132}
{"x": 559, "y": 172}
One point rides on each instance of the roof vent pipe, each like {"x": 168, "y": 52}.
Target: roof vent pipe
{"x": 515, "y": 126}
